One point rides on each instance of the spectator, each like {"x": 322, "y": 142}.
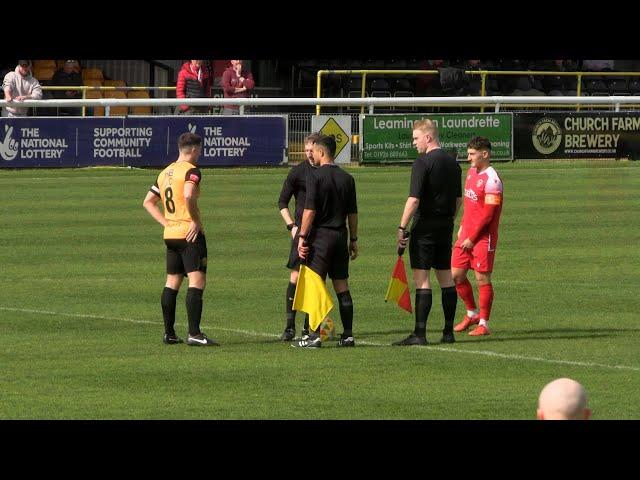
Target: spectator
{"x": 18, "y": 86}
{"x": 193, "y": 82}
{"x": 563, "y": 399}
{"x": 429, "y": 85}
{"x": 237, "y": 82}
{"x": 68, "y": 76}
{"x": 597, "y": 65}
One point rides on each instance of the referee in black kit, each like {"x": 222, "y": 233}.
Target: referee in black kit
{"x": 324, "y": 242}
{"x": 435, "y": 196}
{"x": 295, "y": 185}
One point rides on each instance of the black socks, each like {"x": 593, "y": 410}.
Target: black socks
{"x": 168, "y": 302}
{"x": 291, "y": 313}
{"x": 346, "y": 312}
{"x": 194, "y": 309}
{"x": 449, "y": 302}
{"x": 423, "y": 307}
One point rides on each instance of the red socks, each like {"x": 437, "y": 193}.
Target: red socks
{"x": 465, "y": 292}
{"x": 486, "y": 300}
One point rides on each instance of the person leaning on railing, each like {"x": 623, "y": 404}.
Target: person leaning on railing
{"x": 18, "y": 86}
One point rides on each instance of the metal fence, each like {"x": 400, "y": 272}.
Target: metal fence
{"x": 300, "y": 127}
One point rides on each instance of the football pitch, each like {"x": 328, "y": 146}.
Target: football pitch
{"x": 83, "y": 268}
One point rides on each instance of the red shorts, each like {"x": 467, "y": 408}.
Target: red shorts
{"x": 480, "y": 258}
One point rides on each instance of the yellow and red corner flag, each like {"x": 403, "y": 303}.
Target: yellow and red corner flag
{"x": 312, "y": 297}
{"x": 398, "y": 290}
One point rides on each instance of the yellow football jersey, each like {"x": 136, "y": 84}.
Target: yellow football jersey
{"x": 170, "y": 188}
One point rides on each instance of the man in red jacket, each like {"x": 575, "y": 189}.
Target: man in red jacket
{"x": 237, "y": 82}
{"x": 193, "y": 82}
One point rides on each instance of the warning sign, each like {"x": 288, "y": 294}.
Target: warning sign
{"x": 340, "y": 127}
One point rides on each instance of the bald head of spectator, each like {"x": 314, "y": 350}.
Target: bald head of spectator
{"x": 563, "y": 399}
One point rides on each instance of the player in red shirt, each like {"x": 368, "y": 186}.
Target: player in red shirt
{"x": 475, "y": 247}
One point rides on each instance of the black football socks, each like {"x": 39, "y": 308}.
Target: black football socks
{"x": 423, "y": 307}
{"x": 194, "y": 309}
{"x": 346, "y": 312}
{"x": 449, "y": 302}
{"x": 168, "y": 302}
{"x": 291, "y": 313}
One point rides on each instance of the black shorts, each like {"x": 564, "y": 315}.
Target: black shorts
{"x": 294, "y": 259}
{"x": 329, "y": 253}
{"x": 186, "y": 257}
{"x": 431, "y": 247}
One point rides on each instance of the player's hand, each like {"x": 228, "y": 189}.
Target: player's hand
{"x": 194, "y": 230}
{"x": 353, "y": 250}
{"x": 294, "y": 230}
{"x": 403, "y": 238}
{"x": 303, "y": 248}
{"x": 467, "y": 245}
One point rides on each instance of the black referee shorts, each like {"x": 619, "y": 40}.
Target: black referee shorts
{"x": 186, "y": 257}
{"x": 430, "y": 247}
{"x": 329, "y": 253}
{"x": 294, "y": 259}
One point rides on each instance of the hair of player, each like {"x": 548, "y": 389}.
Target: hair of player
{"x": 188, "y": 140}
{"x": 427, "y": 126}
{"x": 480, "y": 143}
{"x": 328, "y": 143}
{"x": 311, "y": 138}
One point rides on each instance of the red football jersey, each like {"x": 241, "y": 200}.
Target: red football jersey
{"x": 480, "y": 189}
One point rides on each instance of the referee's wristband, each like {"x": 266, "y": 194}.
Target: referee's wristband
{"x": 290, "y": 226}
{"x": 401, "y": 227}
{"x": 354, "y": 239}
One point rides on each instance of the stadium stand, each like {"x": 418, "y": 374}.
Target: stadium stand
{"x": 116, "y": 110}
{"x": 139, "y": 110}
{"x": 94, "y": 111}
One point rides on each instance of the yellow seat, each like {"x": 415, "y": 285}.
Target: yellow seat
{"x": 45, "y": 64}
{"x": 43, "y": 73}
{"x": 137, "y": 94}
{"x": 97, "y": 111}
{"x": 114, "y": 83}
{"x": 114, "y": 111}
{"x": 92, "y": 73}
{"x": 92, "y": 82}
{"x": 139, "y": 110}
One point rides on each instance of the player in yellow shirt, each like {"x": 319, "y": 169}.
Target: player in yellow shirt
{"x": 178, "y": 189}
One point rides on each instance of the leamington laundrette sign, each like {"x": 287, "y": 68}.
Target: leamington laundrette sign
{"x": 388, "y": 138}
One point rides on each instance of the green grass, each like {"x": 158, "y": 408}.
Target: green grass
{"x": 83, "y": 268}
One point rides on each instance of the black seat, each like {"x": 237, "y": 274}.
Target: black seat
{"x": 595, "y": 86}
{"x": 634, "y": 86}
{"x": 618, "y": 86}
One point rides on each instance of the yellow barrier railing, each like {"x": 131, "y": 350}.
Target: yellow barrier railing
{"x": 483, "y": 76}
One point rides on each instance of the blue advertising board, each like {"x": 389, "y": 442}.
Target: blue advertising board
{"x": 140, "y": 141}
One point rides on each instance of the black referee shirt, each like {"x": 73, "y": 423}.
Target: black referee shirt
{"x": 331, "y": 192}
{"x": 296, "y": 185}
{"x": 436, "y": 179}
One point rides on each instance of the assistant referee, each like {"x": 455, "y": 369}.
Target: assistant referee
{"x": 325, "y": 243}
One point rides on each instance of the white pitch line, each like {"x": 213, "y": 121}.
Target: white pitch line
{"x": 488, "y": 353}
